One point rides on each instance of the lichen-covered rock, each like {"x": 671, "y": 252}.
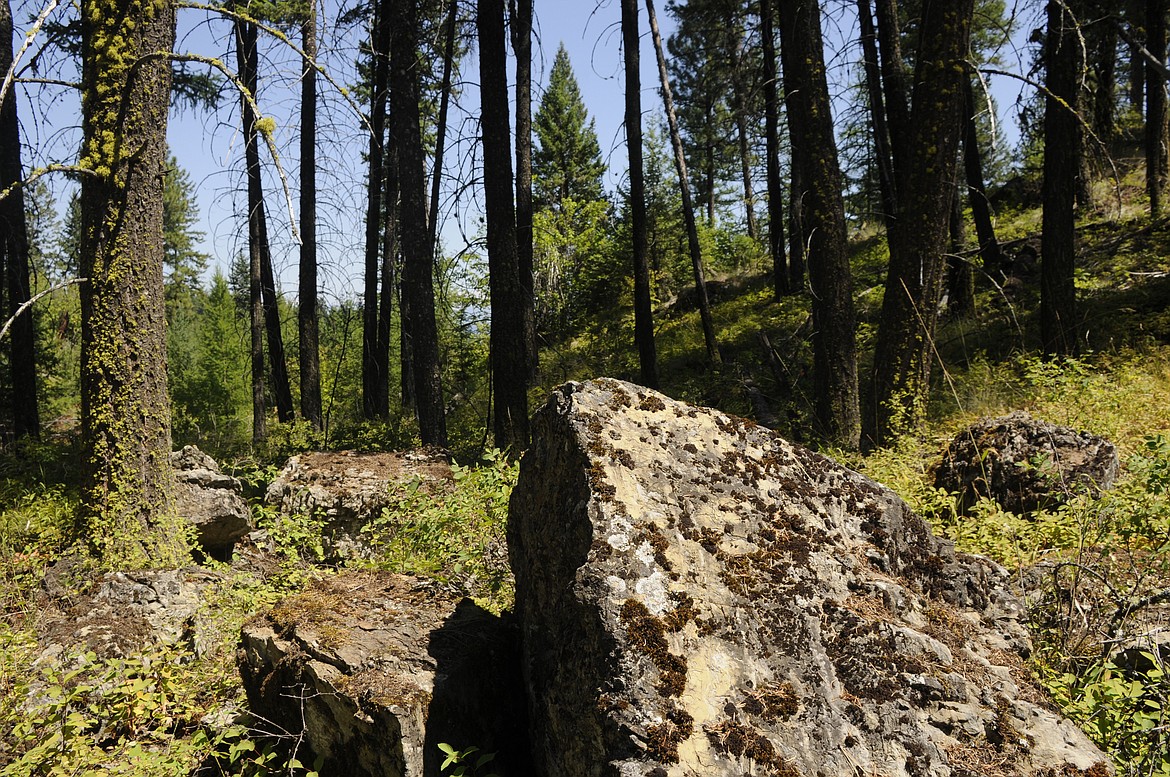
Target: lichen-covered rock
{"x": 376, "y": 670}
{"x": 347, "y": 489}
{"x": 1024, "y": 464}
{"x": 209, "y": 500}
{"x": 126, "y": 611}
{"x": 699, "y": 597}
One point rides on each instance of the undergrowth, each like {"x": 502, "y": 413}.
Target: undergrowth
{"x": 1091, "y": 569}
{"x": 178, "y": 709}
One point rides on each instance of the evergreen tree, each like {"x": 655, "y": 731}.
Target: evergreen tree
{"x": 211, "y": 401}
{"x": 182, "y": 261}
{"x": 568, "y": 163}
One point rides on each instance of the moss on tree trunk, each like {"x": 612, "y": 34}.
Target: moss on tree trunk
{"x": 126, "y": 517}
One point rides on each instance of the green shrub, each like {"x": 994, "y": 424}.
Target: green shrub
{"x": 456, "y": 536}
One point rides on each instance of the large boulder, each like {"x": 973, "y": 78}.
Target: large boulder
{"x": 209, "y": 500}
{"x": 346, "y": 489}
{"x": 698, "y": 596}
{"x": 1024, "y": 464}
{"x": 375, "y": 670}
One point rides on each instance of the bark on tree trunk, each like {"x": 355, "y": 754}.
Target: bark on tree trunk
{"x": 877, "y": 112}
{"x": 897, "y": 93}
{"x": 739, "y": 90}
{"x": 643, "y": 313}
{"x": 780, "y": 285}
{"x": 509, "y": 365}
{"x": 904, "y": 351}
{"x": 989, "y": 251}
{"x": 1063, "y": 61}
{"x": 307, "y": 288}
{"x": 245, "y": 59}
{"x": 126, "y": 515}
{"x": 796, "y": 235}
{"x": 960, "y": 279}
{"x": 1105, "y": 72}
{"x": 680, "y": 165}
{"x": 1156, "y": 167}
{"x": 417, "y": 275}
{"x": 375, "y": 381}
{"x": 814, "y": 153}
{"x": 391, "y": 278}
{"x": 1135, "y": 14}
{"x": 258, "y": 247}
{"x": 14, "y": 257}
{"x": 521, "y": 15}
{"x": 277, "y": 363}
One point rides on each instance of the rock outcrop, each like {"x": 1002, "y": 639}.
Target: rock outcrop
{"x": 1024, "y": 464}
{"x": 347, "y": 489}
{"x": 125, "y": 611}
{"x": 375, "y": 670}
{"x": 697, "y": 596}
{"x": 211, "y": 501}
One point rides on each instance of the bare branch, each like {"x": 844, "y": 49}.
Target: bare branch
{"x": 280, "y": 36}
{"x": 28, "y": 39}
{"x": 35, "y": 174}
{"x": 267, "y": 135}
{"x": 28, "y": 304}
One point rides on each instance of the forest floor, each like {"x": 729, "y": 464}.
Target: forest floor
{"x": 166, "y": 709}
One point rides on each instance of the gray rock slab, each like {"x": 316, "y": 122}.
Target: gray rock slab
{"x": 210, "y": 501}
{"x": 698, "y": 596}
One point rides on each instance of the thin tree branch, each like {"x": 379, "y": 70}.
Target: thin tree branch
{"x": 267, "y": 135}
{"x": 35, "y": 174}
{"x": 28, "y": 304}
{"x": 10, "y": 76}
{"x": 280, "y": 36}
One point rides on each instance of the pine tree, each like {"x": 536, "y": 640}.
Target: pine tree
{"x": 568, "y": 163}
{"x": 182, "y": 261}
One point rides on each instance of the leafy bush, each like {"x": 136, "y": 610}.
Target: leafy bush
{"x": 456, "y": 536}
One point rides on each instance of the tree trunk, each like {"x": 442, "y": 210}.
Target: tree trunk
{"x": 643, "y": 313}
{"x": 1063, "y": 62}
{"x": 680, "y": 164}
{"x": 960, "y": 279}
{"x": 375, "y": 380}
{"x": 441, "y": 127}
{"x": 277, "y": 363}
{"x": 904, "y": 351}
{"x": 989, "y": 251}
{"x": 509, "y": 365}
{"x": 14, "y": 256}
{"x": 796, "y": 234}
{"x": 126, "y": 513}
{"x": 739, "y": 90}
{"x": 814, "y": 154}
{"x": 391, "y": 278}
{"x": 307, "y": 287}
{"x": 877, "y": 112}
{"x": 246, "y": 60}
{"x": 897, "y": 93}
{"x": 522, "y": 46}
{"x": 780, "y": 285}
{"x": 1105, "y": 75}
{"x": 1156, "y": 166}
{"x": 1135, "y": 14}
{"x": 259, "y": 252}
{"x": 418, "y": 294}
